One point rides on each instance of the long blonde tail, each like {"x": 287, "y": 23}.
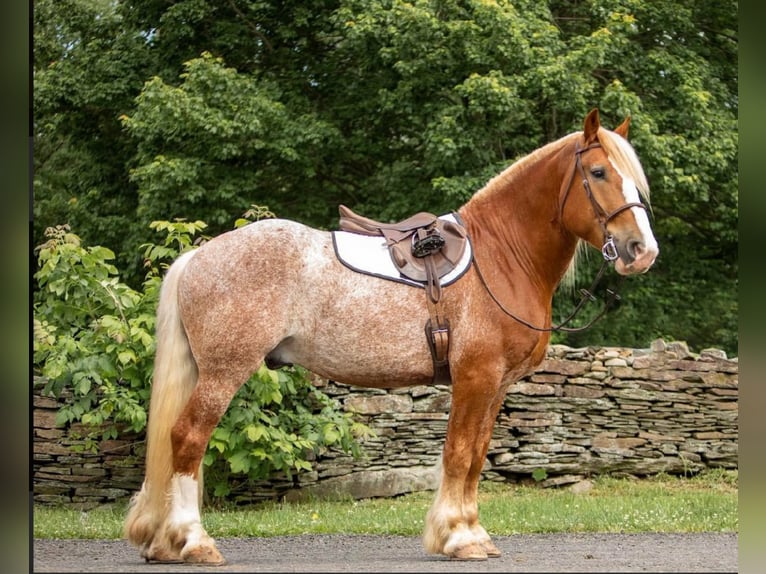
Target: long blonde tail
{"x": 174, "y": 378}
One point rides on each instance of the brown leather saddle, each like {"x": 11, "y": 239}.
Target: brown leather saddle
{"x": 423, "y": 248}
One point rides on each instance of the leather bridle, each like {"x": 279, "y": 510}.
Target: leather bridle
{"x": 608, "y": 250}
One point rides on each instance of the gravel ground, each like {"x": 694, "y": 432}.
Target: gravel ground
{"x": 705, "y": 552}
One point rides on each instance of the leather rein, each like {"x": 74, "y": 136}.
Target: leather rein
{"x": 608, "y": 250}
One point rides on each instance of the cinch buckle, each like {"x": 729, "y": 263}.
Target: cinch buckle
{"x": 609, "y": 249}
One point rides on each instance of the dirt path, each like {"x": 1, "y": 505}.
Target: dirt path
{"x": 706, "y": 552}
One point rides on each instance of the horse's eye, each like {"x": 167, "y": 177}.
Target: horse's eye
{"x": 598, "y": 172}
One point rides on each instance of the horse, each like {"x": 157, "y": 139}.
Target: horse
{"x": 275, "y": 291}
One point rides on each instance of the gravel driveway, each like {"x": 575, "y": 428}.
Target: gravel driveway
{"x": 705, "y": 552}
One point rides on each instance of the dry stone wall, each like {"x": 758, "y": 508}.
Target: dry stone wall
{"x": 583, "y": 412}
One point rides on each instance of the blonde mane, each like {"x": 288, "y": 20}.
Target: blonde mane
{"x": 625, "y": 160}
{"x": 521, "y": 165}
{"x": 619, "y": 150}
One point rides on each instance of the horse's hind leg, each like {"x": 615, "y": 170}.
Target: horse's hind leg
{"x": 183, "y": 531}
{"x": 452, "y": 524}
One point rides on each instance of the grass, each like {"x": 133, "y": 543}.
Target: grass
{"x": 704, "y": 503}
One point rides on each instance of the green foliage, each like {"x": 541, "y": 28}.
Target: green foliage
{"x": 93, "y": 335}
{"x": 273, "y": 422}
{"x": 539, "y": 474}
{"x": 220, "y": 137}
{"x": 88, "y": 68}
{"x": 196, "y": 109}
{"x": 94, "y": 341}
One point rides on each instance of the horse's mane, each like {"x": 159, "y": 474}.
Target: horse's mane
{"x": 521, "y": 165}
{"x": 621, "y": 154}
{"x": 625, "y": 160}
{"x": 619, "y": 150}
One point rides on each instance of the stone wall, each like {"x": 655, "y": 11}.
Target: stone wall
{"x": 583, "y": 412}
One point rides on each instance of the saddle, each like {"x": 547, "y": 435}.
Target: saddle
{"x": 423, "y": 248}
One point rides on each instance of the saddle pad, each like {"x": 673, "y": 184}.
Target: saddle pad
{"x": 369, "y": 255}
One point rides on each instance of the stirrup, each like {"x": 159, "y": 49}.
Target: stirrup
{"x": 431, "y": 243}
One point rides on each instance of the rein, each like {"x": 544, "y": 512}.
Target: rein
{"x": 608, "y": 250}
{"x": 587, "y": 295}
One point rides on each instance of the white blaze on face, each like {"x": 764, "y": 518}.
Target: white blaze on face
{"x": 630, "y": 192}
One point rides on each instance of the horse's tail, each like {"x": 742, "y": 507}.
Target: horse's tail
{"x": 174, "y": 378}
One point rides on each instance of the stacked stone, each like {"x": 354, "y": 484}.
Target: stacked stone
{"x": 583, "y": 412}
{"x": 68, "y": 471}
{"x": 620, "y": 411}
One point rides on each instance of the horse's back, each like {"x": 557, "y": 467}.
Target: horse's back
{"x": 241, "y": 271}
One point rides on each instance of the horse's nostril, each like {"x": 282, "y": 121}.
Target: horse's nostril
{"x": 635, "y": 248}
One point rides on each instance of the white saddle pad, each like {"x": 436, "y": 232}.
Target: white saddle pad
{"x": 369, "y": 254}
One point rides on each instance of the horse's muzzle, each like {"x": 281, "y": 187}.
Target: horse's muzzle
{"x": 635, "y": 257}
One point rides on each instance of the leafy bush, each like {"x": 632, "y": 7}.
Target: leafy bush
{"x": 94, "y": 341}
{"x": 93, "y": 335}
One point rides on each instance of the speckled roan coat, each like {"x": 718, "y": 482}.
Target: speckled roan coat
{"x": 274, "y": 291}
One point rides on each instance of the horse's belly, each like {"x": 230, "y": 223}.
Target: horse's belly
{"x": 366, "y": 363}
{"x": 362, "y": 330}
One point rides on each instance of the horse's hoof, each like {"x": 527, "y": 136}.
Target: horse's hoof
{"x": 469, "y": 552}
{"x": 206, "y": 555}
{"x": 491, "y": 550}
{"x": 162, "y": 557}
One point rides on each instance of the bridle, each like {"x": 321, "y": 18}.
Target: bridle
{"x": 608, "y": 250}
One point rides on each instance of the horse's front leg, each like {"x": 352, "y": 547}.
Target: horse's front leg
{"x": 452, "y": 524}
{"x": 471, "y": 490}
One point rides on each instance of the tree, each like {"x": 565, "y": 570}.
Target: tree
{"x": 87, "y": 70}
{"x": 197, "y": 109}
{"x": 218, "y": 141}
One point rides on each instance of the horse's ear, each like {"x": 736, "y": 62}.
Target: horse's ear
{"x": 592, "y": 124}
{"x": 622, "y": 129}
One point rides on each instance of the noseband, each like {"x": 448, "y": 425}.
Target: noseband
{"x": 608, "y": 250}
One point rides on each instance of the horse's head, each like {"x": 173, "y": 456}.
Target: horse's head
{"x": 601, "y": 197}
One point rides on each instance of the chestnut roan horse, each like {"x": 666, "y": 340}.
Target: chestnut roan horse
{"x": 274, "y": 290}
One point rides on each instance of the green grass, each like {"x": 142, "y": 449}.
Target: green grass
{"x": 705, "y": 503}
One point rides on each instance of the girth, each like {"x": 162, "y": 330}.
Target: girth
{"x": 423, "y": 248}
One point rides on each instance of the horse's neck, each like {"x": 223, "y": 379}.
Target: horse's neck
{"x": 514, "y": 225}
